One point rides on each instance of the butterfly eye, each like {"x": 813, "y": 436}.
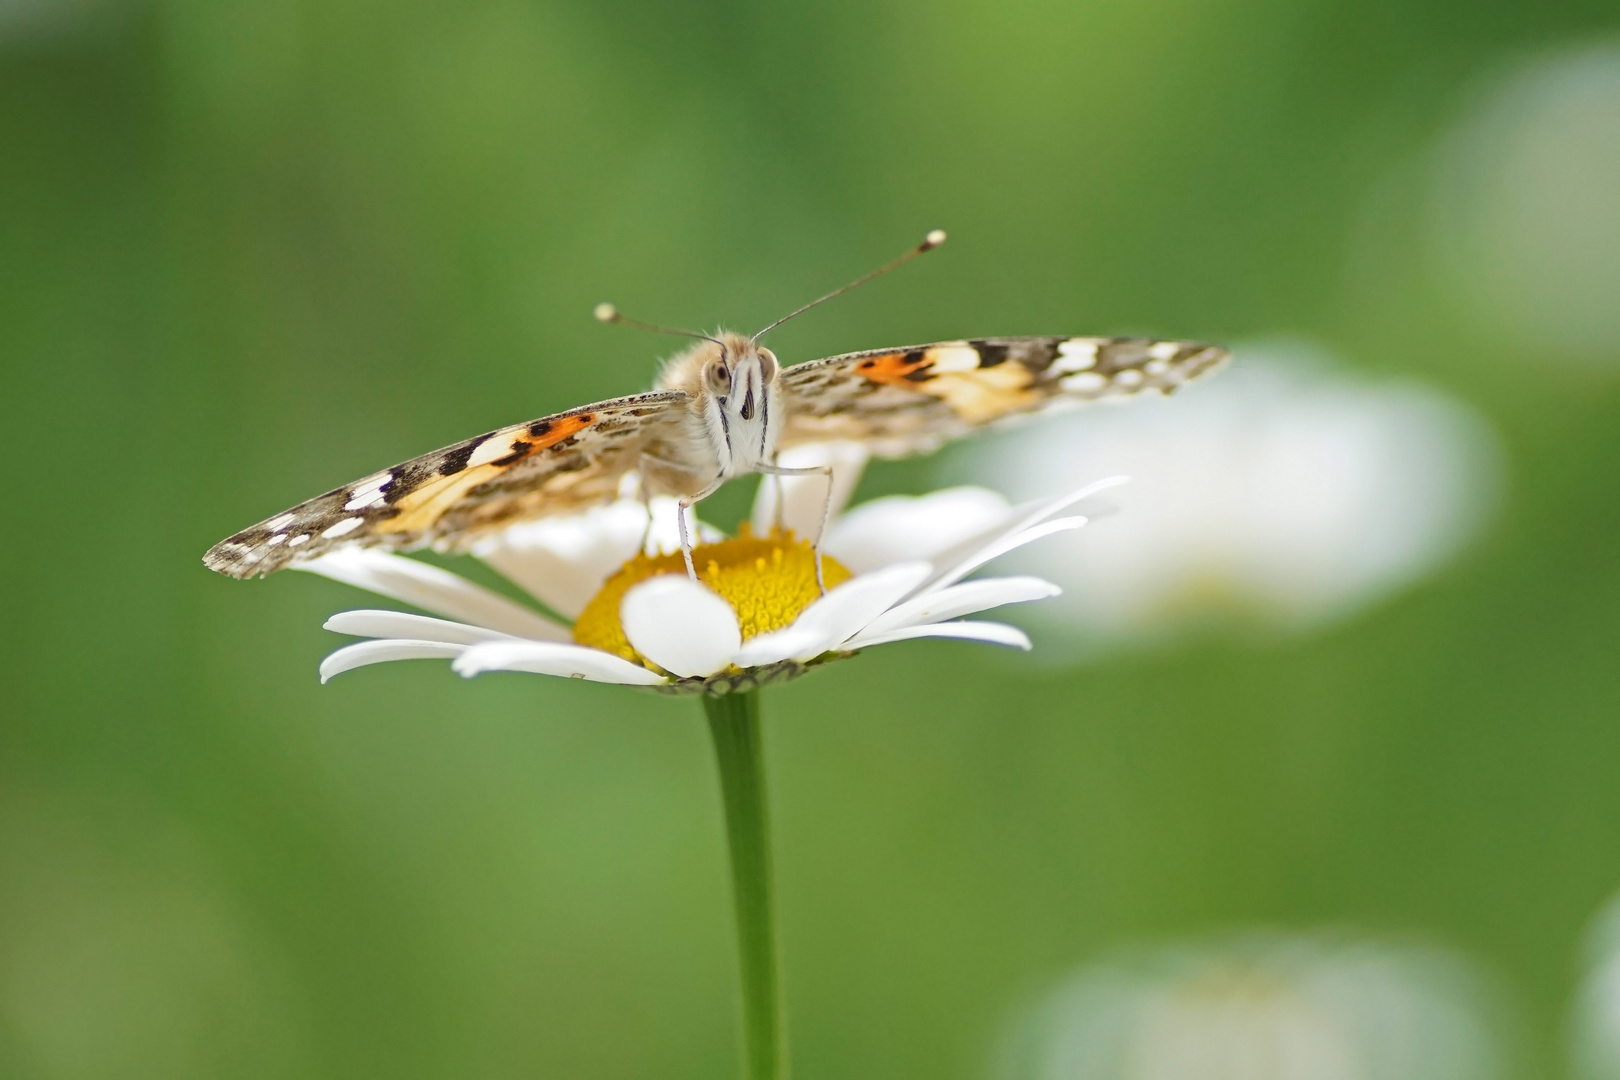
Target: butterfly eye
{"x": 717, "y": 378}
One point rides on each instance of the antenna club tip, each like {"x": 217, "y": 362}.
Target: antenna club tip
{"x": 605, "y": 312}
{"x": 934, "y": 238}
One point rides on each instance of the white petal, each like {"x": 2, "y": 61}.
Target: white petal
{"x": 665, "y": 537}
{"x": 780, "y": 644}
{"x": 805, "y": 498}
{"x": 376, "y": 652}
{"x": 401, "y": 624}
{"x": 1063, "y": 502}
{"x": 549, "y": 658}
{"x": 434, "y": 590}
{"x": 1001, "y": 546}
{"x": 964, "y": 599}
{"x": 564, "y": 560}
{"x": 681, "y": 625}
{"x": 1016, "y": 521}
{"x": 900, "y": 527}
{"x": 844, "y": 611}
{"x": 990, "y": 632}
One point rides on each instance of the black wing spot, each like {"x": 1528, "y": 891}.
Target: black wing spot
{"x": 919, "y": 374}
{"x": 990, "y": 353}
{"x": 520, "y": 450}
{"x": 1038, "y": 355}
{"x": 407, "y": 478}
{"x": 538, "y": 429}
{"x": 456, "y": 460}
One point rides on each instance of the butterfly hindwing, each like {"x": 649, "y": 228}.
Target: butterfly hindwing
{"x": 911, "y": 400}
{"x": 551, "y": 465}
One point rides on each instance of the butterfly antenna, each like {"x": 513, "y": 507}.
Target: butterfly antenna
{"x": 934, "y": 238}
{"x": 607, "y": 313}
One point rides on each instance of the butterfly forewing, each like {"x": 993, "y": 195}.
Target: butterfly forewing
{"x": 551, "y": 465}
{"x": 912, "y": 399}
{"x": 896, "y": 402}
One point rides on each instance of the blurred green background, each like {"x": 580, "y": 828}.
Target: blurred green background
{"x": 251, "y": 250}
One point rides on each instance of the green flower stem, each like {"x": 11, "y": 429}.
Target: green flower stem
{"x": 734, "y": 724}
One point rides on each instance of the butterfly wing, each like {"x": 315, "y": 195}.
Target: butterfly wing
{"x": 552, "y": 465}
{"x": 912, "y": 400}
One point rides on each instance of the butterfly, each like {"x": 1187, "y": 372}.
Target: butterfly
{"x": 723, "y": 408}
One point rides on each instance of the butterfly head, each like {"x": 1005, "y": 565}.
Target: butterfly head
{"x": 737, "y": 396}
{"x": 740, "y": 375}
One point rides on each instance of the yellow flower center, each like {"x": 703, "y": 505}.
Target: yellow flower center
{"x": 767, "y": 580}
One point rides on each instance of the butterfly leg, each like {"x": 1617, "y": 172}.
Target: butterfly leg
{"x": 826, "y": 472}
{"x": 686, "y": 503}
{"x": 645, "y": 459}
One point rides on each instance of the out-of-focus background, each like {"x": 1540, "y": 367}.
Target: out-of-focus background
{"x": 1314, "y": 771}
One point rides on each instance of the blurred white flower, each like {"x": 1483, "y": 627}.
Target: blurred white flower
{"x": 1285, "y": 491}
{"x": 1264, "y": 1008}
{"x": 895, "y": 568}
{"x": 1595, "y": 1016}
{"x": 1525, "y": 206}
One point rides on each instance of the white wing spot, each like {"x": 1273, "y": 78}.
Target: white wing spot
{"x": 948, "y": 358}
{"x": 494, "y": 448}
{"x": 1157, "y": 367}
{"x": 1086, "y": 382}
{"x": 343, "y": 528}
{"x": 301, "y": 538}
{"x": 368, "y": 492}
{"x": 1130, "y": 378}
{"x": 278, "y": 523}
{"x": 365, "y": 499}
{"x": 276, "y": 539}
{"x": 1076, "y": 354}
{"x": 1164, "y": 350}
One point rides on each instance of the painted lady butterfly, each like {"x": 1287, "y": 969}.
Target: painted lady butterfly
{"x": 722, "y": 409}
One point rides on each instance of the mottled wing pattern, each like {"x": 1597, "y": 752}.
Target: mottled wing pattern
{"x": 911, "y": 400}
{"x": 445, "y": 499}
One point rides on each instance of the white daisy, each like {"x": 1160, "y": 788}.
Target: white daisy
{"x": 1522, "y": 212}
{"x": 1595, "y": 1014}
{"x": 894, "y": 567}
{"x": 1267, "y": 1007}
{"x": 1288, "y": 493}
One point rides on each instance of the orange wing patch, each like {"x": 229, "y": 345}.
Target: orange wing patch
{"x": 422, "y": 507}
{"x": 894, "y": 368}
{"x": 556, "y": 464}
{"x": 953, "y": 373}
{"x": 558, "y": 430}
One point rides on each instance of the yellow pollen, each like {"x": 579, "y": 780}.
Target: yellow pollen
{"x": 767, "y": 580}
